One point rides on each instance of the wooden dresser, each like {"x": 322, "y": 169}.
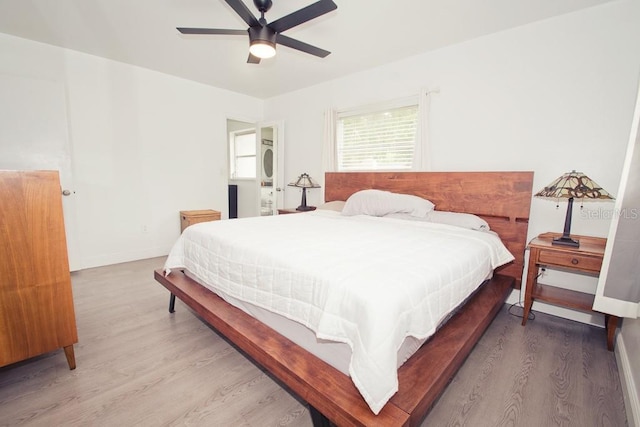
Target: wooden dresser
{"x": 36, "y": 302}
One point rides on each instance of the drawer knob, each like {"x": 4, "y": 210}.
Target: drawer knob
{"x": 574, "y": 261}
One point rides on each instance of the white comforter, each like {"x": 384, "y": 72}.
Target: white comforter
{"x": 365, "y": 281}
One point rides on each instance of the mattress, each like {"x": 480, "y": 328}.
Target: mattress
{"x": 336, "y": 354}
{"x": 366, "y": 282}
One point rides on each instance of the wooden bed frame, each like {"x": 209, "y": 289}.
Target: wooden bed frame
{"x": 502, "y": 198}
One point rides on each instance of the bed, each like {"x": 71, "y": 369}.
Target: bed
{"x": 502, "y": 199}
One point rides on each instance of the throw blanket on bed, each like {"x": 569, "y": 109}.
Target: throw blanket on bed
{"x": 365, "y": 281}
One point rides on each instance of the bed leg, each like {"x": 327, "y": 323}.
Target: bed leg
{"x": 318, "y": 419}
{"x": 172, "y": 303}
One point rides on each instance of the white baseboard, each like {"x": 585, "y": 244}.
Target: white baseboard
{"x": 629, "y": 387}
{"x": 120, "y": 257}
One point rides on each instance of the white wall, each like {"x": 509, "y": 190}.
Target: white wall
{"x": 549, "y": 97}
{"x": 144, "y": 145}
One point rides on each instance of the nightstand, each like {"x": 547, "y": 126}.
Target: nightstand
{"x": 293, "y": 210}
{"x": 585, "y": 259}
{"x": 188, "y": 218}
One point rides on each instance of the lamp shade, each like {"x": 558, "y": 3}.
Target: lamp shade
{"x": 570, "y": 186}
{"x": 304, "y": 181}
{"x": 574, "y": 185}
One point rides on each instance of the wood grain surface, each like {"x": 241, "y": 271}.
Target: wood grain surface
{"x": 36, "y": 302}
{"x": 421, "y": 379}
{"x": 140, "y": 365}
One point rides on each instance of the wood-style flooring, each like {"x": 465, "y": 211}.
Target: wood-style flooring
{"x": 138, "y": 365}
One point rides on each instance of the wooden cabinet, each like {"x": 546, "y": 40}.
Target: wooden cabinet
{"x": 36, "y": 302}
{"x": 188, "y": 218}
{"x": 585, "y": 259}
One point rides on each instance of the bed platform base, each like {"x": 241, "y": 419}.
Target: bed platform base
{"x": 332, "y": 396}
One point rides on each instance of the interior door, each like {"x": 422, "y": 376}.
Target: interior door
{"x": 34, "y": 136}
{"x": 270, "y": 167}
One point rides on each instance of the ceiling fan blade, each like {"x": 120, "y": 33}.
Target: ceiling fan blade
{"x": 298, "y": 45}
{"x": 303, "y": 15}
{"x": 244, "y": 12}
{"x": 211, "y": 31}
{"x": 252, "y": 59}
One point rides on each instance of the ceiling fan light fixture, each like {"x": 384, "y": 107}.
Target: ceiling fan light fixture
{"x": 262, "y": 49}
{"x": 262, "y": 42}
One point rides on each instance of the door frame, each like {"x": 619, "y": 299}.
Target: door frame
{"x": 278, "y": 184}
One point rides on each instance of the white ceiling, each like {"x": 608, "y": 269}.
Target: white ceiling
{"x": 360, "y": 34}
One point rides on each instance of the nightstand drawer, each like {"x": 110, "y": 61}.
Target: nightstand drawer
{"x": 571, "y": 260}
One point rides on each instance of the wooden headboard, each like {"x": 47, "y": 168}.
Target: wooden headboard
{"x": 503, "y": 199}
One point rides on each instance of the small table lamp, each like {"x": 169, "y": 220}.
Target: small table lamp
{"x": 304, "y": 181}
{"x": 569, "y": 186}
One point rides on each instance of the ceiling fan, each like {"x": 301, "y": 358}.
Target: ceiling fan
{"x": 263, "y": 37}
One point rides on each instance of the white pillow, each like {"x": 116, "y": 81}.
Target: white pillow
{"x": 336, "y": 205}
{"x": 464, "y": 220}
{"x": 381, "y": 203}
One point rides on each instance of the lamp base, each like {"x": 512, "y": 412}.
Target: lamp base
{"x": 303, "y": 203}
{"x": 566, "y": 241}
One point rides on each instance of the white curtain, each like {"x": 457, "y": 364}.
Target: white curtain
{"x": 329, "y": 155}
{"x": 421, "y": 158}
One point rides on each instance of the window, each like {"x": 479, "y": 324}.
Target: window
{"x": 242, "y": 154}
{"x": 381, "y": 138}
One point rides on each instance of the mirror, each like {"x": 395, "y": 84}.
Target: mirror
{"x": 267, "y": 163}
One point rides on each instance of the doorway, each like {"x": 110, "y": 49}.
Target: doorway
{"x": 256, "y": 166}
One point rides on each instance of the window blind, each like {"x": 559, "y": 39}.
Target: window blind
{"x": 378, "y": 140}
{"x": 243, "y": 155}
